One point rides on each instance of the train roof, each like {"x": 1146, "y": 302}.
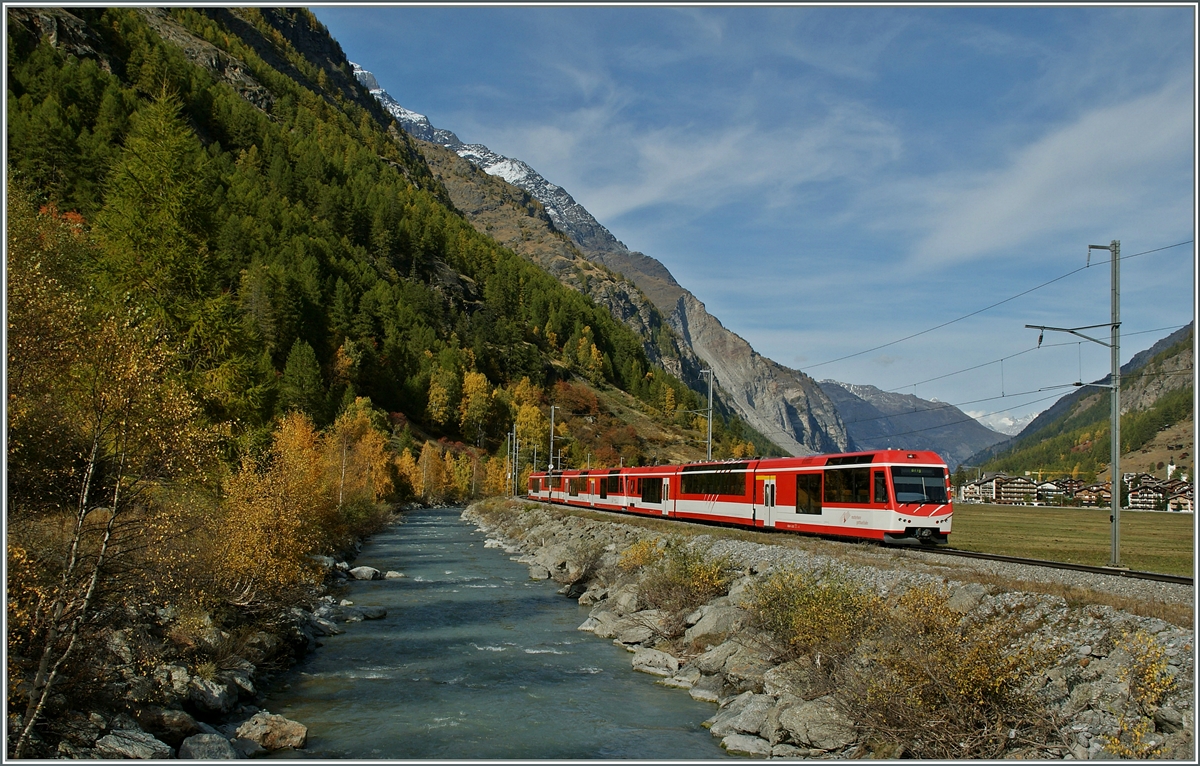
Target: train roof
{"x": 866, "y": 457}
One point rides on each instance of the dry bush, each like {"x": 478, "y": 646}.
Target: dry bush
{"x": 942, "y": 686}
{"x": 822, "y": 615}
{"x": 641, "y": 554}
{"x": 685, "y": 576}
{"x": 1149, "y": 683}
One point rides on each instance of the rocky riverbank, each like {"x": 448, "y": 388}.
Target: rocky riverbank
{"x": 188, "y": 686}
{"x": 1110, "y": 684}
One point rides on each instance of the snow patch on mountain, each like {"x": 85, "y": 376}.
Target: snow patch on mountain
{"x": 1002, "y": 422}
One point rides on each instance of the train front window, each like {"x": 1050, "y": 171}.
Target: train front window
{"x": 919, "y": 485}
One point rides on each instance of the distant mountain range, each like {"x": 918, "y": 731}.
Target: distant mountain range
{"x": 1171, "y": 363}
{"x": 785, "y": 405}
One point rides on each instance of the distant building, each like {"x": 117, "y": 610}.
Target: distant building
{"x": 1148, "y": 497}
{"x": 1014, "y": 490}
{"x": 1182, "y": 502}
{"x": 1050, "y": 492}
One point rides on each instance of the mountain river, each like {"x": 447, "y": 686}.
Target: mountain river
{"x": 476, "y": 661}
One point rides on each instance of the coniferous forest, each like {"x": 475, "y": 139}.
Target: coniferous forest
{"x": 244, "y": 323}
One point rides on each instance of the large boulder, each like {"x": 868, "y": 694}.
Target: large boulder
{"x": 132, "y": 744}
{"x": 365, "y": 573}
{"x": 818, "y": 724}
{"x": 713, "y": 661}
{"x": 273, "y": 732}
{"x": 716, "y": 624}
{"x": 212, "y": 696}
{"x": 207, "y": 747}
{"x": 746, "y": 745}
{"x": 655, "y": 663}
{"x": 744, "y": 715}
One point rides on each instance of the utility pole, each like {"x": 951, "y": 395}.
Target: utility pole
{"x": 551, "y": 437}
{"x": 1114, "y": 384}
{"x": 710, "y": 384}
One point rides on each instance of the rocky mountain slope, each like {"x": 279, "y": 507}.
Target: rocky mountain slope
{"x": 1147, "y": 379}
{"x": 784, "y": 404}
{"x": 885, "y": 420}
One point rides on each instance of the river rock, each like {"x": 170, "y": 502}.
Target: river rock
{"x": 716, "y": 624}
{"x": 744, "y": 715}
{"x": 606, "y": 624}
{"x": 372, "y": 612}
{"x": 392, "y": 574}
{"x": 273, "y": 732}
{"x": 686, "y": 678}
{"x": 215, "y": 696}
{"x": 745, "y": 669}
{"x": 132, "y": 744}
{"x": 207, "y": 747}
{"x": 538, "y": 572}
{"x": 624, "y": 600}
{"x": 714, "y": 659}
{"x": 170, "y": 725}
{"x": 654, "y": 662}
{"x": 966, "y": 597}
{"x": 172, "y": 680}
{"x": 818, "y": 724}
{"x": 709, "y": 688}
{"x": 747, "y": 745}
{"x": 365, "y": 573}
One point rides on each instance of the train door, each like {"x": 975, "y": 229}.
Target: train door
{"x": 666, "y": 496}
{"x": 768, "y": 504}
{"x": 591, "y": 492}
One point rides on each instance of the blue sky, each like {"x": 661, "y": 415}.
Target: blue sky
{"x": 829, "y": 179}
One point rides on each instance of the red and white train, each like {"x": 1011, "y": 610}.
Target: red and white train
{"x": 886, "y": 495}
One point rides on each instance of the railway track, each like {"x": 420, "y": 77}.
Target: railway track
{"x": 1111, "y": 571}
{"x": 943, "y": 551}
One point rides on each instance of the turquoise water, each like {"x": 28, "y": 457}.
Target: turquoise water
{"x": 476, "y": 661}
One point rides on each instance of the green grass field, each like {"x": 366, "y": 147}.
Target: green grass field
{"x": 1150, "y": 542}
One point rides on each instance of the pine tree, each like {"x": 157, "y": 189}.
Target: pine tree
{"x": 301, "y": 388}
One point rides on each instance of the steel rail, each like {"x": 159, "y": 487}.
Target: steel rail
{"x": 1111, "y": 571}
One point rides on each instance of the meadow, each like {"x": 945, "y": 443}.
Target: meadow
{"x": 1149, "y": 541}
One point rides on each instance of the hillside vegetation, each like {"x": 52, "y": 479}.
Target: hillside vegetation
{"x": 244, "y": 322}
{"x": 1154, "y": 398}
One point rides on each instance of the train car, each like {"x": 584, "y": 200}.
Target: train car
{"x": 887, "y": 495}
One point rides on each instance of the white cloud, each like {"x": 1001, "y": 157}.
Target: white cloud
{"x": 1084, "y": 176}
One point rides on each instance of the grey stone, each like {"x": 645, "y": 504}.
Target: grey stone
{"x": 654, "y": 662}
{"x": 606, "y": 624}
{"x": 789, "y": 751}
{"x": 747, "y": 745}
{"x": 729, "y": 708}
{"x": 716, "y": 624}
{"x": 684, "y": 679}
{"x": 247, "y": 748}
{"x": 745, "y": 669}
{"x": 538, "y": 572}
{"x": 708, "y": 688}
{"x": 273, "y": 732}
{"x": 966, "y": 597}
{"x": 365, "y": 573}
{"x": 373, "y": 612}
{"x": 1168, "y": 719}
{"x": 215, "y": 696}
{"x": 589, "y": 624}
{"x": 747, "y": 718}
{"x": 392, "y": 574}
{"x": 128, "y": 743}
{"x": 207, "y": 747}
{"x": 818, "y": 724}
{"x": 714, "y": 659}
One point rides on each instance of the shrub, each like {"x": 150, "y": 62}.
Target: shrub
{"x": 683, "y": 576}
{"x": 819, "y": 614}
{"x": 1149, "y": 682}
{"x": 640, "y": 554}
{"x": 943, "y": 686}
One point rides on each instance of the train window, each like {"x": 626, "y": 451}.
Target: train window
{"x": 651, "y": 491}
{"x": 847, "y": 485}
{"x": 808, "y": 493}
{"x": 727, "y": 479}
{"x": 575, "y": 486}
{"x": 535, "y": 485}
{"x": 919, "y": 485}
{"x": 880, "y": 487}
{"x": 612, "y": 484}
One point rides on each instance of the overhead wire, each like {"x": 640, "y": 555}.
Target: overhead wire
{"x": 994, "y": 305}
